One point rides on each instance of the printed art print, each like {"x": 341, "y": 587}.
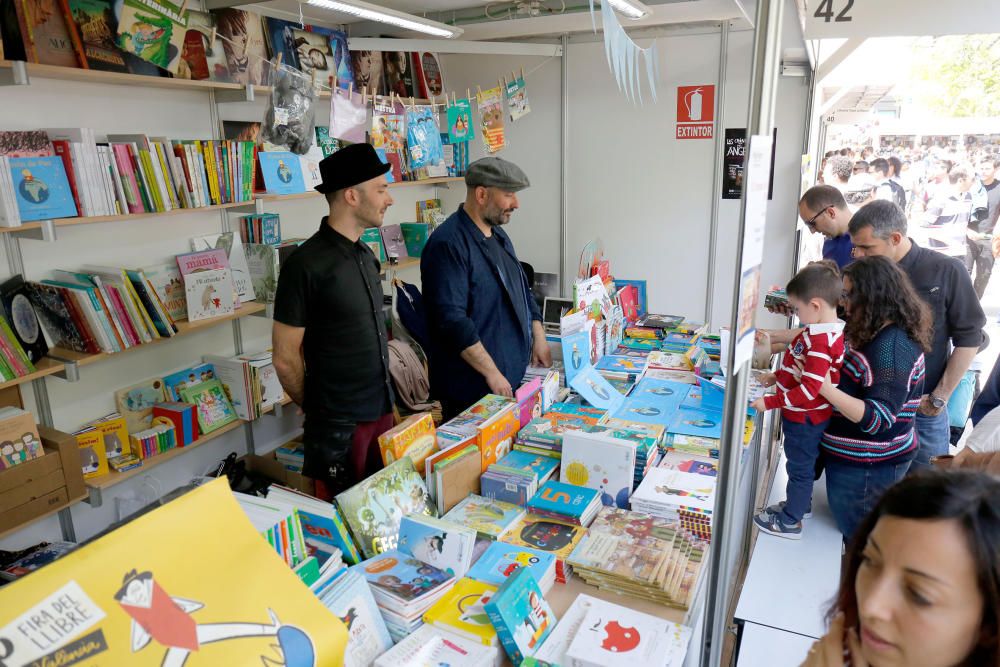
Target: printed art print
{"x": 460, "y": 127}
{"x": 154, "y": 31}
{"x": 490, "y": 104}
{"x": 517, "y": 99}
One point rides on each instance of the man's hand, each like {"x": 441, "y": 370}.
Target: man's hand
{"x": 498, "y": 385}
{"x": 541, "y": 355}
{"x": 927, "y": 408}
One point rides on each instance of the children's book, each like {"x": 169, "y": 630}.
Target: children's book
{"x": 188, "y": 377}
{"x": 576, "y": 353}
{"x": 501, "y": 560}
{"x": 322, "y": 526}
{"x": 209, "y": 294}
{"x": 446, "y": 546}
{"x": 456, "y": 477}
{"x": 538, "y": 467}
{"x": 696, "y": 422}
{"x": 374, "y": 508}
{"x": 563, "y": 500}
{"x": 41, "y": 188}
{"x": 462, "y": 611}
{"x": 621, "y": 364}
{"x": 521, "y": 616}
{"x": 154, "y": 31}
{"x": 424, "y": 138}
{"x": 660, "y": 321}
{"x": 593, "y": 387}
{"x": 555, "y": 537}
{"x": 529, "y": 400}
{"x": 393, "y": 241}
{"x": 282, "y": 172}
{"x": 553, "y": 651}
{"x": 136, "y": 403}
{"x": 413, "y": 437}
{"x": 490, "y": 518}
{"x": 611, "y": 635}
{"x": 211, "y": 403}
{"x": 232, "y": 244}
{"x": 394, "y": 575}
{"x": 549, "y": 428}
{"x": 600, "y": 462}
{"x": 350, "y": 598}
{"x": 429, "y": 647}
{"x": 166, "y": 281}
{"x": 676, "y": 489}
{"x": 700, "y": 465}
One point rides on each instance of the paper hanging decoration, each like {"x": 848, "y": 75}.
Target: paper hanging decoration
{"x": 424, "y": 138}
{"x": 154, "y": 31}
{"x": 460, "y": 127}
{"x": 517, "y": 99}
{"x": 624, "y": 55}
{"x": 491, "y": 111}
{"x": 348, "y": 116}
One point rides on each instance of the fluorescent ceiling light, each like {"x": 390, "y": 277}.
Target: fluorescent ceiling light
{"x": 632, "y": 9}
{"x": 369, "y": 12}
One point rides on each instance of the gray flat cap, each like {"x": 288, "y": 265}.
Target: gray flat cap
{"x": 494, "y": 172}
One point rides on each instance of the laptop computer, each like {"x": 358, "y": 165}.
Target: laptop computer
{"x": 553, "y": 310}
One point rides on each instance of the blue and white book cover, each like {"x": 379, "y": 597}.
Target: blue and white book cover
{"x": 706, "y": 395}
{"x": 653, "y": 401}
{"x": 506, "y": 487}
{"x": 351, "y": 600}
{"x": 596, "y": 390}
{"x": 540, "y": 466}
{"x": 600, "y": 462}
{"x": 520, "y": 615}
{"x": 563, "y": 498}
{"x": 282, "y": 172}
{"x": 187, "y": 378}
{"x": 576, "y": 353}
{"x": 622, "y": 363}
{"x": 696, "y": 421}
{"x": 41, "y": 188}
{"x": 444, "y": 545}
{"x": 501, "y": 560}
{"x": 402, "y": 576}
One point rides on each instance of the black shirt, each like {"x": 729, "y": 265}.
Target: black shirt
{"x": 331, "y": 286}
{"x": 958, "y": 318}
{"x": 993, "y": 208}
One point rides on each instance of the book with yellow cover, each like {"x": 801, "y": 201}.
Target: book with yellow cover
{"x": 461, "y": 611}
{"x": 93, "y": 460}
{"x": 413, "y": 437}
{"x": 114, "y": 431}
{"x": 241, "y": 605}
{"x": 496, "y": 435}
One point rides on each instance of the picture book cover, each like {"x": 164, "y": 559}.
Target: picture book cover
{"x": 173, "y": 383}
{"x": 90, "y": 444}
{"x": 366, "y": 66}
{"x": 517, "y": 99}
{"x": 576, "y": 353}
{"x": 710, "y": 396}
{"x": 413, "y": 437}
{"x": 114, "y": 432}
{"x": 496, "y": 436}
{"x": 350, "y": 599}
{"x": 529, "y": 400}
{"x": 263, "y": 265}
{"x": 97, "y": 24}
{"x": 398, "y": 73}
{"x": 423, "y": 138}
{"x": 508, "y": 486}
{"x": 522, "y": 617}
{"x": 462, "y": 611}
{"x": 553, "y": 651}
{"x": 599, "y": 462}
{"x": 314, "y": 56}
{"x": 281, "y": 40}
{"x": 244, "y": 45}
{"x": 211, "y": 403}
{"x": 322, "y": 526}
{"x": 209, "y": 294}
{"x": 561, "y": 498}
{"x": 282, "y": 172}
{"x": 342, "y": 70}
{"x": 653, "y": 401}
{"x": 444, "y": 545}
{"x": 22, "y": 318}
{"x": 56, "y": 319}
{"x": 541, "y": 467}
{"x": 460, "y": 126}
{"x": 700, "y": 465}
{"x": 624, "y": 364}
{"x": 200, "y": 57}
{"x": 678, "y": 489}
{"x": 490, "y": 518}
{"x": 232, "y": 245}
{"x": 166, "y": 281}
{"x": 401, "y": 576}
{"x": 545, "y": 534}
{"x": 490, "y": 103}
{"x": 660, "y": 321}
{"x": 388, "y": 128}
{"x": 136, "y": 403}
{"x": 697, "y": 422}
{"x": 204, "y": 260}
{"x": 615, "y": 636}
{"x": 150, "y": 606}
{"x": 560, "y": 417}
{"x": 374, "y": 507}
{"x": 596, "y": 390}
{"x": 49, "y": 42}
{"x": 393, "y": 241}
{"x": 501, "y": 560}
{"x": 41, "y": 188}
{"x": 154, "y": 31}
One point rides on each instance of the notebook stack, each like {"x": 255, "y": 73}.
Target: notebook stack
{"x": 492, "y": 519}
{"x": 278, "y": 521}
{"x": 516, "y": 477}
{"x": 291, "y": 455}
{"x": 404, "y": 588}
{"x": 701, "y": 465}
{"x": 544, "y": 534}
{"x": 683, "y": 497}
{"x": 501, "y": 560}
{"x": 640, "y": 555}
{"x": 429, "y": 646}
{"x": 567, "y": 503}
{"x": 544, "y": 435}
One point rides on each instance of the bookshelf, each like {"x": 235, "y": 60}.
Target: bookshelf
{"x": 45, "y": 367}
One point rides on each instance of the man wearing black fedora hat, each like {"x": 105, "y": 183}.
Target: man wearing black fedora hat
{"x": 329, "y": 336}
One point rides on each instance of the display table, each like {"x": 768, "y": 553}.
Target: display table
{"x": 761, "y": 645}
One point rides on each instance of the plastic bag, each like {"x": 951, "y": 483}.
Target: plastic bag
{"x": 290, "y": 120}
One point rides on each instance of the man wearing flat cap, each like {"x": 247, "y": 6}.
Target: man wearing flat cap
{"x": 483, "y": 322}
{"x": 329, "y": 336}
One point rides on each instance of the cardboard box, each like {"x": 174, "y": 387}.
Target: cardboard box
{"x": 272, "y": 468}
{"x": 36, "y": 487}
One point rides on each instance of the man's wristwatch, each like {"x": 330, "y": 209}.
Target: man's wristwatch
{"x": 937, "y": 401}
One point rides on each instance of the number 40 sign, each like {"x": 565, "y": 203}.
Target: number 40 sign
{"x": 830, "y": 19}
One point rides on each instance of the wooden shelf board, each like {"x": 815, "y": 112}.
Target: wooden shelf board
{"x": 54, "y": 510}
{"x": 113, "y": 478}
{"x": 45, "y": 367}
{"x": 121, "y": 78}
{"x": 72, "y": 222}
{"x": 183, "y": 328}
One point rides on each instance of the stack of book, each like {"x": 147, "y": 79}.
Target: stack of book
{"x": 278, "y": 521}
{"x": 291, "y": 455}
{"x": 700, "y": 465}
{"x": 413, "y": 437}
{"x": 350, "y": 598}
{"x": 263, "y": 228}
{"x": 640, "y": 555}
{"x": 501, "y": 560}
{"x": 647, "y": 450}
{"x": 325, "y": 533}
{"x": 35, "y": 557}
{"x": 566, "y": 502}
{"x": 251, "y": 382}
{"x": 521, "y": 616}
{"x": 686, "y": 498}
{"x": 621, "y": 367}
{"x": 601, "y": 461}
{"x": 430, "y": 646}
{"x": 517, "y": 476}
{"x": 404, "y": 588}
{"x": 544, "y": 435}
{"x": 453, "y": 473}
{"x": 554, "y": 537}
{"x": 462, "y": 612}
{"x": 445, "y": 545}
{"x": 494, "y": 421}
{"x": 553, "y": 382}
{"x": 491, "y": 519}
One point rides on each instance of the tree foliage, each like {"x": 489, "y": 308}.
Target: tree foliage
{"x": 958, "y": 75}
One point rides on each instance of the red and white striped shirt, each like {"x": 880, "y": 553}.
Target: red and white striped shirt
{"x": 819, "y": 348}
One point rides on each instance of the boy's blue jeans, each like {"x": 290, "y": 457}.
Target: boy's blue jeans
{"x": 801, "y": 450}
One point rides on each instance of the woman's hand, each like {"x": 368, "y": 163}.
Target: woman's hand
{"x": 767, "y": 379}
{"x": 829, "y": 651}
{"x": 824, "y": 391}
{"x": 758, "y": 405}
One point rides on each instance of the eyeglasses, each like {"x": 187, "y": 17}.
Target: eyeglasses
{"x": 811, "y": 222}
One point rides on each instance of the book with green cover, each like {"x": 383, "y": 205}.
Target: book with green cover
{"x": 211, "y": 403}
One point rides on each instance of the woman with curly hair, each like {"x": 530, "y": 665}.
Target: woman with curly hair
{"x": 921, "y": 582}
{"x": 871, "y": 439}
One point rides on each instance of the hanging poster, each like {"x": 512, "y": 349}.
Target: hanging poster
{"x": 387, "y": 126}
{"x": 348, "y": 117}
{"x": 517, "y": 99}
{"x": 205, "y": 589}
{"x": 154, "y": 31}
{"x": 734, "y": 160}
{"x": 460, "y": 127}
{"x": 490, "y": 104}
{"x": 424, "y": 138}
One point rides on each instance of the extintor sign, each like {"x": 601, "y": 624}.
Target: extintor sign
{"x": 695, "y": 112}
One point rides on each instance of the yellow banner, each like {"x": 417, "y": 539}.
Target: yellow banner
{"x": 191, "y": 583}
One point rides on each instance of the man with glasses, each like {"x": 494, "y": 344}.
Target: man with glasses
{"x": 879, "y": 228}
{"x": 823, "y": 209}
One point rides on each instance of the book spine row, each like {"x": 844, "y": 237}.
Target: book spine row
{"x": 152, "y": 441}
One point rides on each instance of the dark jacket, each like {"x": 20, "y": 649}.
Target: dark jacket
{"x": 467, "y": 302}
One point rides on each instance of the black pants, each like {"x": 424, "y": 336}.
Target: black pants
{"x": 979, "y": 256}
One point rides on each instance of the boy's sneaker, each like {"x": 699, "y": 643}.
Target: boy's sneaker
{"x": 769, "y": 522}
{"x": 780, "y": 507}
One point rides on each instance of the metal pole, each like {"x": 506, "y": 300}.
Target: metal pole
{"x": 766, "y": 60}
{"x": 720, "y": 151}
{"x": 564, "y": 159}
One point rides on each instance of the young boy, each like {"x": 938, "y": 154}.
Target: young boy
{"x": 813, "y": 295}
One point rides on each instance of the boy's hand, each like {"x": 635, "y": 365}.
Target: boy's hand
{"x": 767, "y": 379}
{"x": 758, "y": 405}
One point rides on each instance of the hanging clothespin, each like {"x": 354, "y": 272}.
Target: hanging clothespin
{"x": 277, "y": 61}
{"x": 522, "y": 73}
{"x": 513, "y": 77}
{"x": 467, "y": 95}
{"x": 411, "y": 103}
{"x": 454, "y": 99}
{"x": 350, "y": 91}
{"x": 364, "y": 95}
{"x": 503, "y": 84}
{"x": 479, "y": 91}
{"x": 211, "y": 40}
{"x": 183, "y": 7}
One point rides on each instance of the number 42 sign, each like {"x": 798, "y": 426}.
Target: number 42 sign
{"x": 831, "y": 19}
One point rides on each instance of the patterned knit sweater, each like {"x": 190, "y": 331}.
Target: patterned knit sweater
{"x": 888, "y": 375}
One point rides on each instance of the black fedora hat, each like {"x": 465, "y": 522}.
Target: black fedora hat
{"x": 349, "y": 166}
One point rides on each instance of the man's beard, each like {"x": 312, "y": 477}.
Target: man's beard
{"x": 496, "y": 220}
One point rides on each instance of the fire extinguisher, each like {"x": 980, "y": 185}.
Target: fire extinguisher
{"x": 693, "y": 103}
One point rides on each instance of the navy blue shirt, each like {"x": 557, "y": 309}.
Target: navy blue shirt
{"x": 839, "y": 249}
{"x": 469, "y": 298}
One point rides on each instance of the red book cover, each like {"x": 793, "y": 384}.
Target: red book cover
{"x": 79, "y": 321}
{"x": 602, "y": 269}
{"x": 397, "y": 165}
{"x": 193, "y": 53}
{"x": 628, "y": 299}
{"x": 61, "y": 147}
